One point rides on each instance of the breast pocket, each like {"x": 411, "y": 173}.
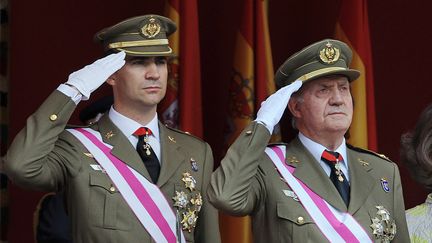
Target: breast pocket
{"x": 107, "y": 208}
{"x": 295, "y": 223}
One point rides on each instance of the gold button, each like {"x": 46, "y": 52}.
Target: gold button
{"x": 112, "y": 189}
{"x": 249, "y": 132}
{"x": 53, "y": 117}
{"x": 300, "y": 220}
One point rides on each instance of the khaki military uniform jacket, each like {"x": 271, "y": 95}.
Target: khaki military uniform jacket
{"x": 247, "y": 183}
{"x": 45, "y": 157}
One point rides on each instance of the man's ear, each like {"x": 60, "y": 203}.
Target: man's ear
{"x": 294, "y": 107}
{"x": 112, "y": 79}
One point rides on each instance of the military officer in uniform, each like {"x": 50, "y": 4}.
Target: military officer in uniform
{"x": 127, "y": 177}
{"x": 317, "y": 188}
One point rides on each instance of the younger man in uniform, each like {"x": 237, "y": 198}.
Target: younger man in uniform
{"x": 126, "y": 178}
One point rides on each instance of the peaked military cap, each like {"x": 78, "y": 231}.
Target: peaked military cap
{"x": 145, "y": 35}
{"x": 322, "y": 58}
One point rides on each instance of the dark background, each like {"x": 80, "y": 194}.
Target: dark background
{"x": 50, "y": 39}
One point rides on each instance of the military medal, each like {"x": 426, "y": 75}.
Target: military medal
{"x": 180, "y": 199}
{"x": 189, "y": 181}
{"x": 146, "y": 145}
{"x": 197, "y": 201}
{"x": 338, "y": 171}
{"x": 384, "y": 228}
{"x": 188, "y": 203}
{"x": 189, "y": 220}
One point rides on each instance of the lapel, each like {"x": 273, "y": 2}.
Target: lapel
{"x": 311, "y": 173}
{"x": 122, "y": 148}
{"x": 172, "y": 154}
{"x": 361, "y": 183}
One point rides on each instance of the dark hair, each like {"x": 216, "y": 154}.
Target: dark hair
{"x": 416, "y": 149}
{"x": 101, "y": 105}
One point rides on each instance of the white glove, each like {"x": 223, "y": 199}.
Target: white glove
{"x": 273, "y": 107}
{"x": 89, "y": 78}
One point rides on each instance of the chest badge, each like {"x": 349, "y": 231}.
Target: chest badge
{"x": 385, "y": 184}
{"x": 109, "y": 135}
{"x": 194, "y": 164}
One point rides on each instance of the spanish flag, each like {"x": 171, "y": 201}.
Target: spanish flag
{"x": 353, "y": 28}
{"x": 182, "y": 106}
{"x": 251, "y": 83}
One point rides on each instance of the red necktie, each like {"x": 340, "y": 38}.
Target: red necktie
{"x": 333, "y": 159}
{"x": 146, "y": 152}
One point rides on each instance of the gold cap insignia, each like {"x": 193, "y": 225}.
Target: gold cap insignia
{"x": 329, "y": 54}
{"x": 151, "y": 29}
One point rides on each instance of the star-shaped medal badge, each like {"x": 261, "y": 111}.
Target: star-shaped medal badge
{"x": 189, "y": 181}
{"x": 180, "y": 199}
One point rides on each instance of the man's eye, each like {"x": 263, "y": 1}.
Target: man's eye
{"x": 344, "y": 88}
{"x": 161, "y": 61}
{"x": 137, "y": 62}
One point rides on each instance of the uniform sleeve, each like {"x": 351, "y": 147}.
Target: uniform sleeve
{"x": 402, "y": 234}
{"x": 39, "y": 156}
{"x": 208, "y": 226}
{"x": 235, "y": 187}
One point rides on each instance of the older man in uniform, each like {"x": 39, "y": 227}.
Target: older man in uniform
{"x": 317, "y": 188}
{"x": 126, "y": 178}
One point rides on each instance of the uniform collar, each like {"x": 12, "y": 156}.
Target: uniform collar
{"x": 129, "y": 126}
{"x": 317, "y": 149}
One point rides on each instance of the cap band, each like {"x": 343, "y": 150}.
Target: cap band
{"x": 146, "y": 52}
{"x": 310, "y": 75}
{"x": 158, "y": 42}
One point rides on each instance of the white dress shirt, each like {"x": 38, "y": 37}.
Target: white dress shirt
{"x": 129, "y": 126}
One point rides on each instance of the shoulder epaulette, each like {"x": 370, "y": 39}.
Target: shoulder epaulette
{"x": 182, "y": 132}
{"x": 361, "y": 150}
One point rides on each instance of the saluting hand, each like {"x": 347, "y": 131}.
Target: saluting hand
{"x": 89, "y": 78}
{"x": 273, "y": 107}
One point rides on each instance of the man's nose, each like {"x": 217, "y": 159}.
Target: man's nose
{"x": 152, "y": 72}
{"x": 336, "y": 98}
